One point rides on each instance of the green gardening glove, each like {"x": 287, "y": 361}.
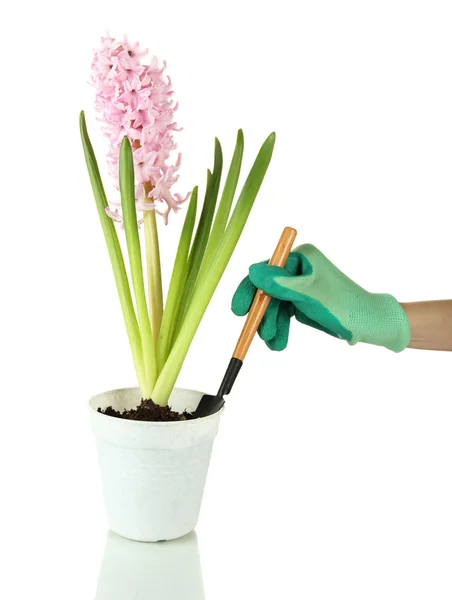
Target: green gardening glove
{"x": 321, "y": 296}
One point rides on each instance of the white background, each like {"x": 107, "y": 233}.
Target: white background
{"x": 332, "y": 474}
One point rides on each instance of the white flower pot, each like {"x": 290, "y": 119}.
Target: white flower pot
{"x": 153, "y": 474}
{"x": 166, "y": 571}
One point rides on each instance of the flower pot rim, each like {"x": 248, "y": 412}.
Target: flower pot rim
{"x": 138, "y": 423}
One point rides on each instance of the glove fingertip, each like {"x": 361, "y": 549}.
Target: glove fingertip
{"x": 277, "y": 344}
{"x": 281, "y": 338}
{"x": 268, "y": 326}
{"x": 243, "y": 298}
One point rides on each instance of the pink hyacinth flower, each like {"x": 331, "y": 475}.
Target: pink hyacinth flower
{"x": 135, "y": 100}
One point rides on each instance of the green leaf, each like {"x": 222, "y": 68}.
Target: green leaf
{"x": 129, "y": 215}
{"x": 205, "y": 287}
{"x": 196, "y": 248}
{"x": 202, "y": 235}
{"x": 224, "y": 208}
{"x": 115, "y": 254}
{"x": 178, "y": 279}
{"x": 207, "y": 214}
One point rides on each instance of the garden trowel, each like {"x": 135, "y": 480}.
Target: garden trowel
{"x": 209, "y": 405}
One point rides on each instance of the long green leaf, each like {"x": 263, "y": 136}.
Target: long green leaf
{"x": 178, "y": 279}
{"x": 201, "y": 237}
{"x": 196, "y": 249}
{"x": 207, "y": 214}
{"x": 129, "y": 215}
{"x": 115, "y": 254}
{"x": 224, "y": 208}
{"x": 206, "y": 286}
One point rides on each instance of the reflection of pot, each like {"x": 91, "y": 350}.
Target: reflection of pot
{"x": 153, "y": 474}
{"x": 138, "y": 571}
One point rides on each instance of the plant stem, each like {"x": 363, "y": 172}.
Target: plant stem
{"x": 127, "y": 189}
{"x": 116, "y": 257}
{"x": 154, "y": 271}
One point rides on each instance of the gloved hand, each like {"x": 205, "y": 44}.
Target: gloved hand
{"x": 321, "y": 296}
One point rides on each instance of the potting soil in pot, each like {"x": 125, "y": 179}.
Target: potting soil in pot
{"x": 147, "y": 411}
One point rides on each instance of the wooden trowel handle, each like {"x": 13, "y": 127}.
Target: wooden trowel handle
{"x": 261, "y": 300}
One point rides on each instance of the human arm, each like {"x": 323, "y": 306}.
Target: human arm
{"x": 430, "y": 324}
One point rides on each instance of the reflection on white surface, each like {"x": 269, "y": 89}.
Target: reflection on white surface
{"x": 139, "y": 571}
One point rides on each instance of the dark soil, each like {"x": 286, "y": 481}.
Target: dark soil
{"x": 148, "y": 411}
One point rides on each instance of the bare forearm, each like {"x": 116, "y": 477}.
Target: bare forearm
{"x": 430, "y": 324}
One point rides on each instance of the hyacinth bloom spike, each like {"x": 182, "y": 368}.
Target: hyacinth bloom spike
{"x": 135, "y": 99}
